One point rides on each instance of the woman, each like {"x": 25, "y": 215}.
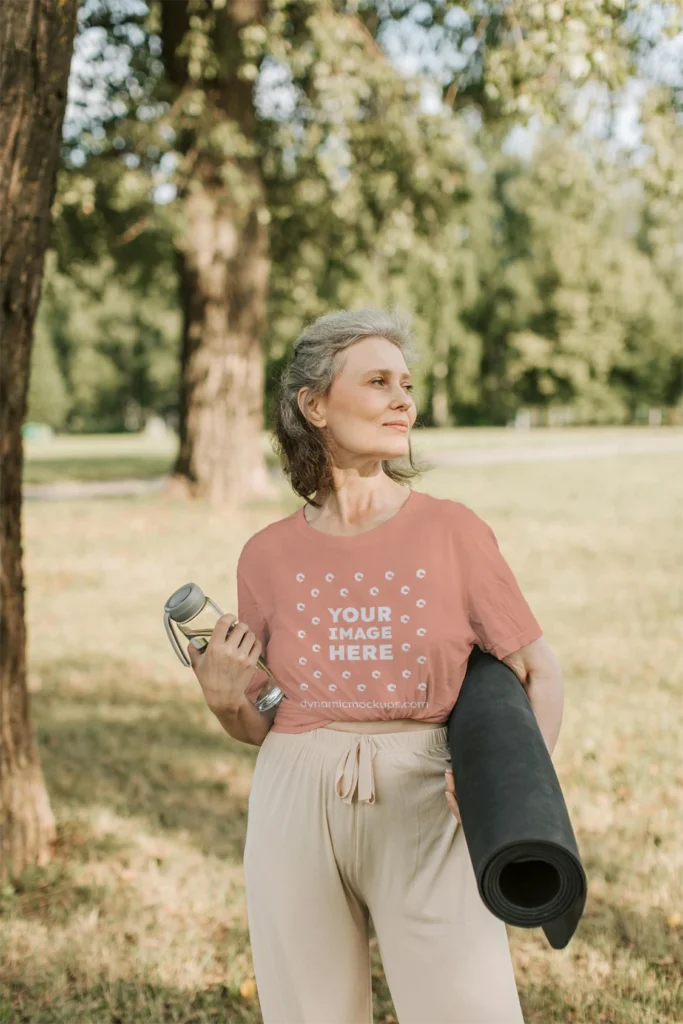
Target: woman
{"x": 367, "y": 602}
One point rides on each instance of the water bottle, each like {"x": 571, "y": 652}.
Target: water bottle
{"x": 195, "y": 616}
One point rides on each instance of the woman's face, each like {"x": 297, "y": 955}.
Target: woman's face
{"x": 372, "y": 388}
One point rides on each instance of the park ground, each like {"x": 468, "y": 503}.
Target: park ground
{"x": 141, "y": 918}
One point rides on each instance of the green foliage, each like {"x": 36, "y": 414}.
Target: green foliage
{"x": 552, "y": 278}
{"x": 585, "y": 318}
{"x": 116, "y": 349}
{"x": 48, "y": 397}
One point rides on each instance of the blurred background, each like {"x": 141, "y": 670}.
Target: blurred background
{"x": 515, "y": 184}
{"x": 511, "y": 174}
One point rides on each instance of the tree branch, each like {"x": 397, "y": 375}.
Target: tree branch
{"x": 452, "y": 92}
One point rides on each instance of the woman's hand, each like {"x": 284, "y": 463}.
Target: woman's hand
{"x": 450, "y": 793}
{"x": 227, "y": 663}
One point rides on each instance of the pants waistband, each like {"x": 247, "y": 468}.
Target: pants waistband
{"x": 354, "y": 772}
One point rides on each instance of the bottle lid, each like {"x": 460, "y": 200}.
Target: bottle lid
{"x": 185, "y": 602}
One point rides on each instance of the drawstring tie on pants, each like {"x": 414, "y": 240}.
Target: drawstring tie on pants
{"x": 354, "y": 771}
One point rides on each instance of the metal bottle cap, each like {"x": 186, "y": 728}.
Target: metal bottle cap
{"x": 185, "y": 602}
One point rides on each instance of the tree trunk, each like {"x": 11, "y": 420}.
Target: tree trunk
{"x": 36, "y": 41}
{"x": 224, "y": 267}
{"x": 223, "y": 285}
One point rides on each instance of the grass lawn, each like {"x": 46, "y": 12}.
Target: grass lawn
{"x": 98, "y": 457}
{"x": 88, "y": 457}
{"x": 141, "y": 917}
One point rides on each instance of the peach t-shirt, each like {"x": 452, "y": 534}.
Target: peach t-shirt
{"x": 379, "y": 625}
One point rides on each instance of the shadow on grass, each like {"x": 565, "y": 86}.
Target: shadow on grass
{"x": 125, "y": 1001}
{"x": 75, "y": 468}
{"x": 144, "y": 752}
{"x": 50, "y": 895}
{"x": 140, "y": 467}
{"x": 615, "y": 927}
{"x": 630, "y": 943}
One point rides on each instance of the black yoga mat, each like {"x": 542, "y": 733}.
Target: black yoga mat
{"x": 512, "y": 810}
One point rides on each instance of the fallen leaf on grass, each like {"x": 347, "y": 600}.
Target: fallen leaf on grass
{"x": 248, "y": 988}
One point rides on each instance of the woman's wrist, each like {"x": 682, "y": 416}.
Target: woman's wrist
{"x": 244, "y": 722}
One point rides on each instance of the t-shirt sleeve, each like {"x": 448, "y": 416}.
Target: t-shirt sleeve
{"x": 498, "y": 611}
{"x": 249, "y": 612}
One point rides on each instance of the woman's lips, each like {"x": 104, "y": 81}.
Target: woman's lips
{"x": 397, "y": 426}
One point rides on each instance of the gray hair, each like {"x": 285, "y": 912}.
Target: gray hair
{"x": 317, "y": 359}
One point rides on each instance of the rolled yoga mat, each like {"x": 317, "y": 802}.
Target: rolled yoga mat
{"x": 512, "y": 810}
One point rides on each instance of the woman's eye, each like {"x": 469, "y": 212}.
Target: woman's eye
{"x": 408, "y": 387}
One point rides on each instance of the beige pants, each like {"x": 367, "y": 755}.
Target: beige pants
{"x": 343, "y": 826}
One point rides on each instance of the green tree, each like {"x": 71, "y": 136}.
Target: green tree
{"x": 573, "y": 312}
{"x": 354, "y": 149}
{"x": 113, "y": 346}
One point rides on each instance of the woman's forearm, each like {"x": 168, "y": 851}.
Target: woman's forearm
{"x": 244, "y": 722}
{"x": 546, "y": 696}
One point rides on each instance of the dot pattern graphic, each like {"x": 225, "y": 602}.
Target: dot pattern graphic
{"x": 376, "y": 633}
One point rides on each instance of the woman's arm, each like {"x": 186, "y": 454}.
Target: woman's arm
{"x": 539, "y": 671}
{"x": 504, "y": 624}
{"x": 246, "y": 723}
